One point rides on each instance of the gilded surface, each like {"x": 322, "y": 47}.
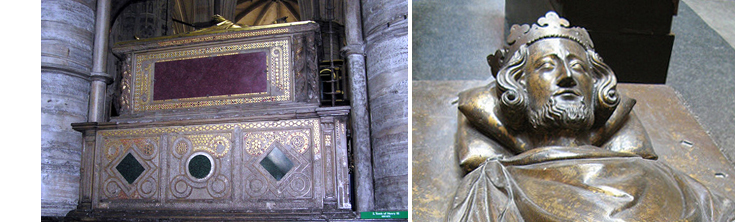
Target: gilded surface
{"x": 123, "y": 101}
{"x": 257, "y": 142}
{"x": 553, "y": 140}
{"x": 220, "y": 24}
{"x": 165, "y": 153}
{"x": 223, "y": 37}
{"x": 145, "y": 150}
{"x": 221, "y": 34}
{"x": 278, "y": 78}
{"x": 216, "y": 185}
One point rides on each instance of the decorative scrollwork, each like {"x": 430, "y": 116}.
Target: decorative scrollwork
{"x": 124, "y": 87}
{"x": 181, "y": 147}
{"x": 219, "y": 146}
{"x": 180, "y": 188}
{"x": 299, "y": 185}
{"x": 113, "y": 149}
{"x": 297, "y": 137}
{"x": 218, "y": 187}
{"x": 144, "y": 150}
{"x": 299, "y": 140}
{"x": 147, "y": 148}
{"x": 112, "y": 187}
{"x": 304, "y": 65}
{"x": 147, "y": 188}
{"x": 255, "y": 186}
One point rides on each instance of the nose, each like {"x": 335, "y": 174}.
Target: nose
{"x": 566, "y": 79}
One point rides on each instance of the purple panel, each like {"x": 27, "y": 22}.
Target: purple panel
{"x": 211, "y": 76}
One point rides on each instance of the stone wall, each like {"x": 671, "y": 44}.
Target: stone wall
{"x": 67, "y": 32}
{"x": 385, "y": 27}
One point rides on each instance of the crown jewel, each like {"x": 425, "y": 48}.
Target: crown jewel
{"x": 549, "y": 26}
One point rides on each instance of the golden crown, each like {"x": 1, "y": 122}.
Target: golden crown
{"x": 549, "y": 26}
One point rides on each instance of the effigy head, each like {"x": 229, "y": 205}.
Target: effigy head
{"x": 548, "y": 75}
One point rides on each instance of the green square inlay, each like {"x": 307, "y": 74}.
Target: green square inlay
{"x": 130, "y": 168}
{"x": 277, "y": 163}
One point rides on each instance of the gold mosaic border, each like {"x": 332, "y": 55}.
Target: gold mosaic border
{"x": 223, "y": 37}
{"x": 279, "y": 56}
{"x": 313, "y": 124}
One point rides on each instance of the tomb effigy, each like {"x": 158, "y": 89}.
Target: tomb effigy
{"x": 552, "y": 139}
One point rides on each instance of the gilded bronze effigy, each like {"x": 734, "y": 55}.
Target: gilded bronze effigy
{"x": 551, "y": 139}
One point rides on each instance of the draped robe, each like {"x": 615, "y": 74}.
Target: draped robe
{"x": 615, "y": 179}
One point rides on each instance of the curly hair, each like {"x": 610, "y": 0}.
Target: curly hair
{"x": 514, "y": 97}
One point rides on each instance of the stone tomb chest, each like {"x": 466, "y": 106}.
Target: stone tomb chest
{"x": 218, "y": 121}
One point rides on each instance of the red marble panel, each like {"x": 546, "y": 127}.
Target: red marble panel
{"x": 211, "y": 76}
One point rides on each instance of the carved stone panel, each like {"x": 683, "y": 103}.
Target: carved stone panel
{"x": 129, "y": 169}
{"x": 294, "y": 185}
{"x": 199, "y": 167}
{"x": 267, "y": 165}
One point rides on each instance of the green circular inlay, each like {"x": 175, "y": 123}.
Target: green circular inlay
{"x": 199, "y": 166}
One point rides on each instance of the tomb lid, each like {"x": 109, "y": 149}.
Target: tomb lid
{"x": 210, "y": 72}
{"x": 214, "y": 35}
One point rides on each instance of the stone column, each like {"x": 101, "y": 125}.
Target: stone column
{"x": 361, "y": 152}
{"x": 100, "y": 77}
{"x": 385, "y": 27}
{"x": 67, "y": 31}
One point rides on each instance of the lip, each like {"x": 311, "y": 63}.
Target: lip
{"x": 568, "y": 92}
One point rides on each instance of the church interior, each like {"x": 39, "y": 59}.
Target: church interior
{"x": 330, "y": 114}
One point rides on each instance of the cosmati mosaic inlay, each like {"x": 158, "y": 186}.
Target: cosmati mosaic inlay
{"x": 223, "y": 37}
{"x": 214, "y": 140}
{"x": 219, "y": 145}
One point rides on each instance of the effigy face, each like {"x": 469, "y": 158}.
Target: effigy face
{"x": 552, "y": 140}
{"x": 558, "y": 77}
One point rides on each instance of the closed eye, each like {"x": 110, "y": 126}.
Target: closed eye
{"x": 546, "y": 64}
{"x": 577, "y": 67}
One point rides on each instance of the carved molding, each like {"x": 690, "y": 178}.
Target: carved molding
{"x": 305, "y": 67}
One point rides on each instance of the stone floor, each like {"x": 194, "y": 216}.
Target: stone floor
{"x": 451, "y": 40}
{"x": 718, "y": 14}
{"x": 702, "y": 66}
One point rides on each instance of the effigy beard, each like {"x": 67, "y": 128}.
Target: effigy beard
{"x": 574, "y": 115}
{"x": 584, "y": 184}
